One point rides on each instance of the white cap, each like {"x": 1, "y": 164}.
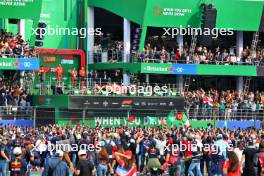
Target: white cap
{"x": 59, "y": 153}
{"x": 17, "y": 151}
{"x": 82, "y": 152}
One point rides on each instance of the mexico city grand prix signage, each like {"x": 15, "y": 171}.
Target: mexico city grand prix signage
{"x": 19, "y": 63}
{"x": 20, "y": 9}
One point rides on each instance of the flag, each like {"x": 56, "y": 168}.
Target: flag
{"x": 131, "y": 119}
{"x": 185, "y": 120}
{"x": 174, "y": 117}
{"x": 208, "y": 100}
{"x": 153, "y": 120}
{"x": 179, "y": 116}
{"x": 163, "y": 122}
{"x": 171, "y": 117}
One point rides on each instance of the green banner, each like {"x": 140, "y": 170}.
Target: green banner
{"x": 123, "y": 121}
{"x": 181, "y": 69}
{"x": 19, "y": 63}
{"x": 112, "y": 122}
{"x": 51, "y": 101}
{"x": 182, "y": 13}
{"x": 226, "y": 70}
{"x": 20, "y": 9}
{"x": 8, "y": 64}
{"x": 156, "y": 68}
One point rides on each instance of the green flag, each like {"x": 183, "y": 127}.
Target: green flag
{"x": 185, "y": 120}
{"x": 175, "y": 118}
{"x": 153, "y": 120}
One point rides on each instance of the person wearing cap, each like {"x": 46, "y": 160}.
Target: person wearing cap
{"x": 18, "y": 166}
{"x": 56, "y": 166}
{"x": 84, "y": 166}
{"x": 4, "y": 156}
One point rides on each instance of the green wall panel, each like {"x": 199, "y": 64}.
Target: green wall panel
{"x": 227, "y": 70}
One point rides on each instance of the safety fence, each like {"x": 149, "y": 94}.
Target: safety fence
{"x": 225, "y": 114}
{"x": 117, "y": 56}
{"x": 43, "y": 116}
{"x": 104, "y": 87}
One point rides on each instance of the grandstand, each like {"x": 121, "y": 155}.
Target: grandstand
{"x": 211, "y": 79}
{"x": 75, "y": 71}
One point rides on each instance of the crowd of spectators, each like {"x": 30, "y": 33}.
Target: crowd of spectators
{"x": 162, "y": 54}
{"x": 14, "y": 101}
{"x": 202, "y": 55}
{"x": 14, "y": 46}
{"x": 124, "y": 151}
{"x": 113, "y": 52}
{"x": 231, "y": 104}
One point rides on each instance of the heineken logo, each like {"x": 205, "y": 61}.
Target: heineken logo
{"x": 5, "y": 64}
{"x": 156, "y": 68}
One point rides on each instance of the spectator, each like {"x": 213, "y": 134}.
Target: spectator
{"x": 232, "y": 166}
{"x": 56, "y": 166}
{"x": 4, "y": 156}
{"x": 84, "y": 167}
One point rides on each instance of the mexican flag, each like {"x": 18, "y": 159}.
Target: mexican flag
{"x": 178, "y": 117}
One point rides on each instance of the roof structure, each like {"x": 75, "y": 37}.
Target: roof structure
{"x": 241, "y": 15}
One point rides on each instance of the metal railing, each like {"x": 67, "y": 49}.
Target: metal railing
{"x": 141, "y": 57}
{"x": 104, "y": 87}
{"x": 10, "y": 112}
{"x": 13, "y": 55}
{"x": 224, "y": 114}
{"x": 44, "y": 115}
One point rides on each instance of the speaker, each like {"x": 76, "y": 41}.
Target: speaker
{"x": 208, "y": 21}
{"x": 261, "y": 26}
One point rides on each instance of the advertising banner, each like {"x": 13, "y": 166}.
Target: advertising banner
{"x": 156, "y": 68}
{"x": 20, "y": 9}
{"x": 114, "y": 102}
{"x": 200, "y": 69}
{"x": 19, "y": 63}
{"x": 183, "y": 69}
{"x": 20, "y": 123}
{"x": 148, "y": 122}
{"x": 227, "y": 70}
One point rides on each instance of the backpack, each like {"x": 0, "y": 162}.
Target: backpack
{"x": 109, "y": 147}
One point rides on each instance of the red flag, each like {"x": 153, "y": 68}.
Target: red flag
{"x": 131, "y": 119}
